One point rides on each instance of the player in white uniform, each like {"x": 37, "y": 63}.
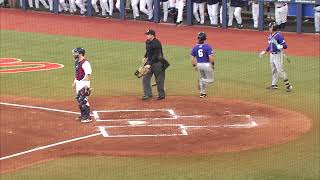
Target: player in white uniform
{"x": 135, "y": 9}
{"x": 43, "y": 2}
{"x": 198, "y": 5}
{"x": 235, "y": 9}
{"x": 281, "y": 14}
{"x": 95, "y": 6}
{"x": 255, "y": 13}
{"x": 179, "y": 6}
{"x": 317, "y": 18}
{"x": 213, "y": 6}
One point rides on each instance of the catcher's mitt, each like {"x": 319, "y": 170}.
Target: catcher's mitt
{"x": 143, "y": 70}
{"x": 85, "y": 91}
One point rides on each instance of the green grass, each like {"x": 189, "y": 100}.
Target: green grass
{"x": 239, "y": 75}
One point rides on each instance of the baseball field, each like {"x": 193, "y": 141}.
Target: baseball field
{"x": 241, "y": 131}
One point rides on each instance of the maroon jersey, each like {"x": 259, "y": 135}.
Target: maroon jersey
{"x": 79, "y": 70}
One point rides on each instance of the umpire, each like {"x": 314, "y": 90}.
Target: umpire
{"x": 153, "y": 57}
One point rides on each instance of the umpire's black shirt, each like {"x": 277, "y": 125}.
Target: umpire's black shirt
{"x": 153, "y": 51}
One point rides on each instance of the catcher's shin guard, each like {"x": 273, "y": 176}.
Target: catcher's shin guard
{"x": 85, "y": 111}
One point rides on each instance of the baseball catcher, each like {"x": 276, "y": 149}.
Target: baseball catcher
{"x": 82, "y": 83}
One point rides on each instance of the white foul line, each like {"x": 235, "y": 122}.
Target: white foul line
{"x": 36, "y": 107}
{"x": 50, "y": 145}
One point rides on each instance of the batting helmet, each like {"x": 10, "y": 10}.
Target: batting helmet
{"x": 202, "y": 36}
{"x": 78, "y": 50}
{"x": 273, "y": 25}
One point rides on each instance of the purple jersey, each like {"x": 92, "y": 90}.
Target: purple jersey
{"x": 274, "y": 40}
{"x": 202, "y": 52}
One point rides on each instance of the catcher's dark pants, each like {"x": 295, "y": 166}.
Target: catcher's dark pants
{"x": 83, "y": 106}
{"x": 156, "y": 70}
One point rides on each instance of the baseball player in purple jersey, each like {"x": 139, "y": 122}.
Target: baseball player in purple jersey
{"x": 82, "y": 83}
{"x": 202, "y": 60}
{"x": 276, "y": 44}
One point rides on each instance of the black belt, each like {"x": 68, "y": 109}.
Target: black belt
{"x": 282, "y": 6}
{"x": 275, "y": 52}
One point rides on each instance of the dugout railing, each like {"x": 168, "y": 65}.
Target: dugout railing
{"x": 298, "y": 5}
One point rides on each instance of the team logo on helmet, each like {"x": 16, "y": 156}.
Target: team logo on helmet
{"x": 77, "y": 51}
{"x": 202, "y": 36}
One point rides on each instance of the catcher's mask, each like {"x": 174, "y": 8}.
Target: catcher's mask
{"x": 273, "y": 25}
{"x": 77, "y": 51}
{"x": 202, "y": 36}
{"x": 85, "y": 91}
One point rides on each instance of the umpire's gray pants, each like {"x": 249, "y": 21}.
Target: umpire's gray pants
{"x": 159, "y": 74}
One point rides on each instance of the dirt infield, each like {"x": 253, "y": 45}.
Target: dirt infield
{"x": 126, "y": 126}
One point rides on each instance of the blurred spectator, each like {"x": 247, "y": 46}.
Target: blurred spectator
{"x": 198, "y": 5}
{"x": 229, "y": 11}
{"x": 43, "y": 2}
{"x": 281, "y": 14}
{"x": 255, "y": 13}
{"x": 165, "y": 6}
{"x": 317, "y": 18}
{"x": 213, "y": 6}
{"x": 179, "y": 6}
{"x": 95, "y": 6}
{"x": 30, "y": 3}
{"x": 236, "y": 8}
{"x": 135, "y": 9}
{"x": 147, "y": 10}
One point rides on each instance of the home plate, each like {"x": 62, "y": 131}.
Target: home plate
{"x": 134, "y": 123}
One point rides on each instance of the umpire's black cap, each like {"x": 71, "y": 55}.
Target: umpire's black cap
{"x": 150, "y": 32}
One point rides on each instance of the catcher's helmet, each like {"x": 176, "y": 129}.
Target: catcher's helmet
{"x": 273, "y": 25}
{"x": 202, "y": 36}
{"x": 78, "y": 50}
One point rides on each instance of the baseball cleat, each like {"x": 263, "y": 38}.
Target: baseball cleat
{"x": 289, "y": 88}
{"x": 86, "y": 120}
{"x": 146, "y": 97}
{"x": 161, "y": 97}
{"x": 203, "y": 95}
{"x": 272, "y": 87}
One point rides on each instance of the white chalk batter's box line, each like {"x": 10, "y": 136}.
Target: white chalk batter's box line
{"x": 181, "y": 127}
{"x": 169, "y": 111}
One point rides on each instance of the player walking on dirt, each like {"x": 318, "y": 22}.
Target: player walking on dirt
{"x": 202, "y": 60}
{"x": 82, "y": 83}
{"x": 276, "y": 44}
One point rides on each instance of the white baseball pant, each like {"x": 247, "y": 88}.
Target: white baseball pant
{"x": 281, "y": 13}
{"x": 165, "y": 6}
{"x": 30, "y": 2}
{"x": 43, "y": 2}
{"x": 255, "y": 14}
{"x": 213, "y": 13}
{"x": 317, "y": 19}
{"x": 200, "y": 7}
{"x": 236, "y": 12}
{"x": 135, "y": 9}
{"x": 180, "y": 6}
{"x": 95, "y": 6}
